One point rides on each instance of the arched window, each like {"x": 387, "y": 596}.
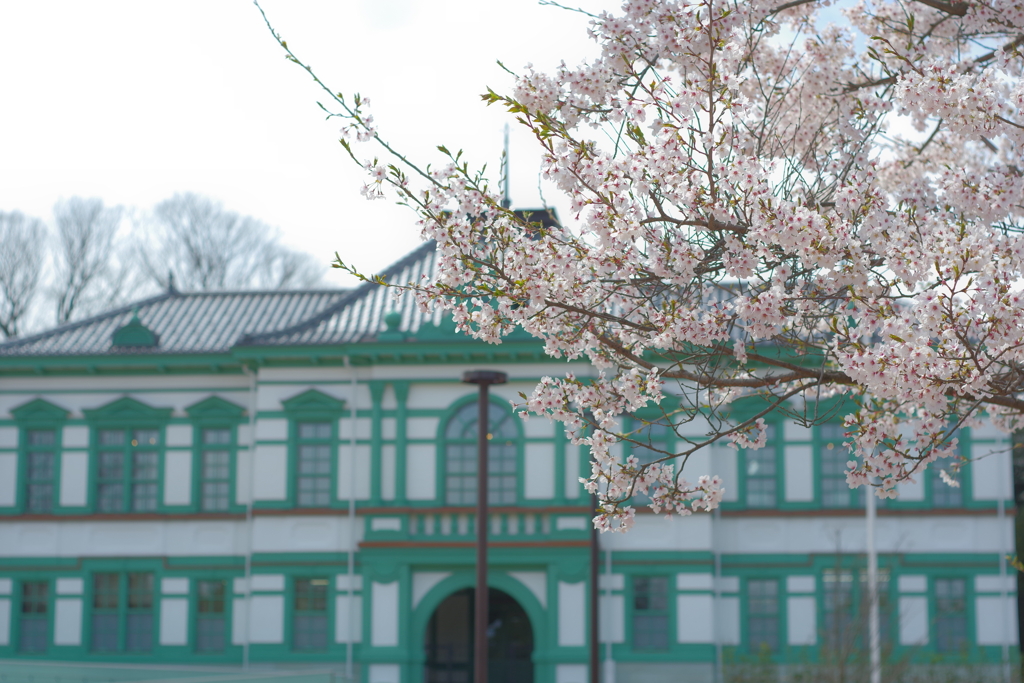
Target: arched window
{"x": 460, "y": 456}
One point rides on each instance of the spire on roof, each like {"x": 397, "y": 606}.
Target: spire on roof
{"x": 506, "y": 200}
{"x": 171, "y": 289}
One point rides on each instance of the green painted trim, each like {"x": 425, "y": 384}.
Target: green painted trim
{"x": 401, "y": 389}
{"x": 216, "y": 409}
{"x": 443, "y": 441}
{"x": 377, "y": 388}
{"x": 198, "y": 447}
{"x": 39, "y": 411}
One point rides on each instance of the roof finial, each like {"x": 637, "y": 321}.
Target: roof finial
{"x": 506, "y": 200}
{"x": 171, "y": 289}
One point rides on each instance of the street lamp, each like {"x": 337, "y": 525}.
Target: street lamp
{"x": 483, "y": 379}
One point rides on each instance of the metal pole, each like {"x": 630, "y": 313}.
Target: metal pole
{"x": 353, "y": 442}
{"x": 484, "y": 379}
{"x": 873, "y": 631}
{"x": 480, "y": 618}
{"x": 246, "y": 641}
{"x": 595, "y": 676}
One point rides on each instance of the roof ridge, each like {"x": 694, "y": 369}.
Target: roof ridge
{"x": 264, "y": 292}
{"x": 352, "y": 297}
{"x": 112, "y": 313}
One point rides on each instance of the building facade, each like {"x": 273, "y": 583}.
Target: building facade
{"x": 279, "y": 479}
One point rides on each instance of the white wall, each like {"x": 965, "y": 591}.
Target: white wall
{"x": 8, "y": 479}
{"x": 421, "y": 472}
{"x": 572, "y": 627}
{"x": 67, "y": 621}
{"x": 384, "y": 610}
{"x": 177, "y": 477}
{"x": 539, "y": 471}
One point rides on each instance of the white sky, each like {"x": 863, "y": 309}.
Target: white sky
{"x": 133, "y": 101}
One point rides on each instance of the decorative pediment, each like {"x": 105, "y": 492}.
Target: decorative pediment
{"x": 216, "y": 408}
{"x": 39, "y": 410}
{"x": 135, "y": 333}
{"x": 128, "y": 410}
{"x": 313, "y": 402}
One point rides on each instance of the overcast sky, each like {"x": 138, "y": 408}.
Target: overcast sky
{"x": 133, "y": 101}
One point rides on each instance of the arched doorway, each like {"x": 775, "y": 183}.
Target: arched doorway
{"x": 449, "y": 640}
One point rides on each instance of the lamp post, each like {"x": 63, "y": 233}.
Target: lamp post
{"x": 483, "y": 379}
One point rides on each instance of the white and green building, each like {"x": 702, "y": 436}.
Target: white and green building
{"x": 281, "y": 479}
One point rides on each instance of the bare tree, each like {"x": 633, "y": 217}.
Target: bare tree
{"x": 88, "y": 273}
{"x": 204, "y": 246}
{"x": 22, "y": 244}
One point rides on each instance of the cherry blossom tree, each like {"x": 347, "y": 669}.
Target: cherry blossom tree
{"x": 788, "y": 205}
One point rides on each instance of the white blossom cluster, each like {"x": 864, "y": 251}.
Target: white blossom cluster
{"x": 755, "y": 224}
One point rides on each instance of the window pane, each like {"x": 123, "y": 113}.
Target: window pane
{"x": 140, "y": 591}
{"x": 461, "y": 458}
{"x": 139, "y": 634}
{"x": 144, "y": 497}
{"x": 41, "y": 437}
{"x": 40, "y": 465}
{"x": 144, "y": 465}
{"x": 944, "y": 495}
{"x": 216, "y": 465}
{"x": 311, "y": 595}
{"x": 216, "y": 496}
{"x": 105, "y": 591}
{"x": 110, "y": 497}
{"x": 650, "y": 613}
{"x": 309, "y": 632}
{"x": 104, "y": 633}
{"x": 111, "y": 465}
{"x": 216, "y": 436}
{"x": 763, "y": 614}
{"x": 105, "y": 601}
{"x": 314, "y": 430}
{"x": 40, "y": 498}
{"x": 33, "y": 634}
{"x": 951, "y": 615}
{"x": 761, "y": 470}
{"x": 111, "y": 437}
{"x": 309, "y": 625}
{"x": 145, "y": 437}
{"x": 210, "y": 634}
{"x": 34, "y": 597}
{"x": 212, "y": 596}
{"x": 144, "y": 469}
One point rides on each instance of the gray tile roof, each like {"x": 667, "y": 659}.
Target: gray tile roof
{"x": 361, "y": 316}
{"x": 215, "y": 322}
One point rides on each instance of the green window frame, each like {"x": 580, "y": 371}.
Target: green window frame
{"x": 127, "y": 460}
{"x": 122, "y": 612}
{"x": 216, "y": 455}
{"x": 832, "y": 456}
{"x": 951, "y": 624}
{"x": 310, "y": 630}
{"x": 128, "y": 470}
{"x": 651, "y": 616}
{"x": 40, "y": 440}
{"x": 761, "y": 468}
{"x": 846, "y": 608}
{"x": 764, "y": 611}
{"x": 34, "y": 617}
{"x": 314, "y": 463}
{"x": 211, "y": 616}
{"x": 460, "y": 456}
{"x": 40, "y": 481}
{"x": 313, "y": 450}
